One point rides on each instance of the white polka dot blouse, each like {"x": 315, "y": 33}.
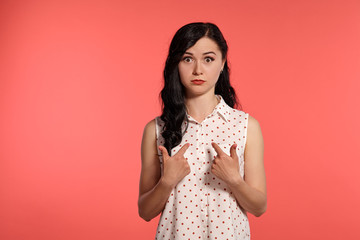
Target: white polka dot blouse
{"x": 201, "y": 206}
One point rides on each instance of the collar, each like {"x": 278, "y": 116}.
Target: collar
{"x": 221, "y": 108}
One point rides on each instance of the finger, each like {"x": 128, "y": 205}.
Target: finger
{"x": 217, "y": 149}
{"x": 233, "y": 151}
{"x": 164, "y": 152}
{"x": 183, "y": 149}
{"x": 213, "y": 171}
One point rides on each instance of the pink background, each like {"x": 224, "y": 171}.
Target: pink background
{"x": 80, "y": 79}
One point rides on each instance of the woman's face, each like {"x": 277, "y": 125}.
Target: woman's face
{"x": 202, "y": 62}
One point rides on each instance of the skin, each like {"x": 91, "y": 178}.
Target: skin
{"x": 202, "y": 61}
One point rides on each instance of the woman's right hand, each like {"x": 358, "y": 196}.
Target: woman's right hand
{"x": 176, "y": 167}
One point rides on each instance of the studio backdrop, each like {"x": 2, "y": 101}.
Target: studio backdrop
{"x": 79, "y": 80}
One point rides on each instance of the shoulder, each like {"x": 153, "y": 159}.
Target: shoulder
{"x": 153, "y": 128}
{"x": 148, "y": 145}
{"x": 150, "y": 128}
{"x": 151, "y": 123}
{"x": 253, "y": 124}
{"x": 253, "y": 130}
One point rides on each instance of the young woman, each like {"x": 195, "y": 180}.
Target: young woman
{"x": 202, "y": 159}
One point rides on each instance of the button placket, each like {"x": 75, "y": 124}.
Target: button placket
{"x": 202, "y": 177}
{"x": 199, "y": 142}
{"x": 202, "y": 148}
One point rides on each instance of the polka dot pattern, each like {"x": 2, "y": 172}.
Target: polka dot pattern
{"x": 201, "y": 206}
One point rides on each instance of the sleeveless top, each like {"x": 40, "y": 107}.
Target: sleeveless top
{"x": 201, "y": 206}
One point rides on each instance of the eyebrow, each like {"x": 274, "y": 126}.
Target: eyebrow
{"x": 203, "y": 53}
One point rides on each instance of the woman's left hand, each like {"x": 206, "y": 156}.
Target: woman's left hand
{"x": 226, "y": 167}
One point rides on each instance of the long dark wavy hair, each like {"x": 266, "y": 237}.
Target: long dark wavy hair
{"x": 172, "y": 95}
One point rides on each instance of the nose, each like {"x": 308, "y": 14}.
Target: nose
{"x": 197, "y": 69}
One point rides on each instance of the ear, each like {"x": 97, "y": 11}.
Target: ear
{"x": 223, "y": 63}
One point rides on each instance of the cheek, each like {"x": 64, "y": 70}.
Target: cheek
{"x": 183, "y": 71}
{"x": 213, "y": 68}
{"x": 214, "y": 73}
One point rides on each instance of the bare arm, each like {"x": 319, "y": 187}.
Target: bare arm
{"x": 153, "y": 194}
{"x": 249, "y": 192}
{"x": 155, "y": 188}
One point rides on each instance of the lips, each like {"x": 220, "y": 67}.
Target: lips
{"x": 197, "y": 81}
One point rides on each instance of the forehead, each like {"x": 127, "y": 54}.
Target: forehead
{"x": 204, "y": 44}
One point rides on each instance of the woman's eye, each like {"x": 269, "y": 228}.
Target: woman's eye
{"x": 209, "y": 59}
{"x": 187, "y": 59}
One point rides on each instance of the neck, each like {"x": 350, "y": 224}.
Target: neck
{"x": 199, "y": 107}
